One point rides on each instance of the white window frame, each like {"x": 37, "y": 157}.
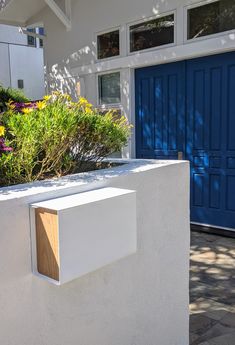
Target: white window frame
{"x": 108, "y": 105}
{"x": 141, "y": 21}
{"x": 116, "y": 28}
{"x": 206, "y": 37}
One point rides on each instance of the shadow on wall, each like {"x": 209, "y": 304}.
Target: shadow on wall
{"x": 59, "y": 79}
{"x": 61, "y": 73}
{"x": 60, "y": 76}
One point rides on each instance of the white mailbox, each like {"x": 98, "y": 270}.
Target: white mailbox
{"x": 80, "y": 233}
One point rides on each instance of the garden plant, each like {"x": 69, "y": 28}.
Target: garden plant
{"x": 9, "y": 94}
{"x": 55, "y": 137}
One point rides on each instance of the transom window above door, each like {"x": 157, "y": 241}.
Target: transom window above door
{"x": 108, "y": 44}
{"x": 211, "y": 18}
{"x": 152, "y": 33}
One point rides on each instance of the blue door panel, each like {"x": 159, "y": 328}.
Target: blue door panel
{"x": 159, "y": 119}
{"x": 189, "y": 106}
{"x": 210, "y": 110}
{"x": 160, "y": 111}
{"x": 231, "y": 106}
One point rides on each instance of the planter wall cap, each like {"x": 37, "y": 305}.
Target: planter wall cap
{"x": 130, "y": 166}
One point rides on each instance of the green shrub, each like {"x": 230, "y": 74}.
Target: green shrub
{"x": 56, "y": 137}
{"x": 9, "y": 94}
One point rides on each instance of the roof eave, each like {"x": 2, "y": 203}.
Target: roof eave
{"x": 12, "y": 22}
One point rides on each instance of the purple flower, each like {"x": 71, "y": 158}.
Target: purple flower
{"x": 18, "y": 106}
{"x": 4, "y": 147}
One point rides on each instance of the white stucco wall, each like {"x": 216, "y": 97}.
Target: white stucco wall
{"x": 27, "y": 64}
{"x": 139, "y": 300}
{"x": 71, "y": 55}
{"x": 18, "y": 61}
{"x": 5, "y": 74}
{"x": 10, "y": 34}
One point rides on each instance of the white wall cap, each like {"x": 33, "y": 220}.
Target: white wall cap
{"x": 82, "y": 180}
{"x": 81, "y": 198}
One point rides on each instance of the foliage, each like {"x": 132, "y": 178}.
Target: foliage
{"x": 7, "y": 94}
{"x": 55, "y": 137}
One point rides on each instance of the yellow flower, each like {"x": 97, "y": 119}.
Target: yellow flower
{"x": 2, "y": 131}
{"x": 84, "y": 102}
{"x": 27, "y": 110}
{"x": 56, "y": 93}
{"x": 41, "y": 105}
{"x": 11, "y": 105}
{"x": 85, "y": 105}
{"x": 66, "y": 96}
{"x": 47, "y": 98}
{"x": 88, "y": 110}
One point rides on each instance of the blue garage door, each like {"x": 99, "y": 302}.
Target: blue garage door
{"x": 189, "y": 107}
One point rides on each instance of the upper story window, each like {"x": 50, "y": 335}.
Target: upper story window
{"x": 108, "y": 44}
{"x": 212, "y": 18}
{"x": 41, "y": 32}
{"x": 31, "y": 39}
{"x": 152, "y": 33}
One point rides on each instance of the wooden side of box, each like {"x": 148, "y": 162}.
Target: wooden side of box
{"x": 47, "y": 242}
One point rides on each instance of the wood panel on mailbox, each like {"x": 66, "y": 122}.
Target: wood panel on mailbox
{"x": 47, "y": 242}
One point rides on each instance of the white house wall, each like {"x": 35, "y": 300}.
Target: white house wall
{"x": 19, "y": 61}
{"x": 71, "y": 55}
{"x": 27, "y": 64}
{"x": 5, "y": 76}
{"x": 10, "y": 34}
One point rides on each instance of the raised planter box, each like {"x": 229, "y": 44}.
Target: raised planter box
{"x": 141, "y": 299}
{"x": 78, "y": 234}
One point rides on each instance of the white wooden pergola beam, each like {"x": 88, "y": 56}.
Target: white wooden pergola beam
{"x": 68, "y": 9}
{"x": 65, "y": 18}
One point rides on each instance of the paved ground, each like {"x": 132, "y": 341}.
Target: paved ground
{"x": 212, "y": 286}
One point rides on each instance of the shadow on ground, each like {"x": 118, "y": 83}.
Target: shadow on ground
{"x": 212, "y": 290}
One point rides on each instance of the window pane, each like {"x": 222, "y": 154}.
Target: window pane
{"x": 211, "y": 18}
{"x": 41, "y": 32}
{"x": 108, "y": 45}
{"x": 31, "y": 39}
{"x": 153, "y": 33}
{"x": 109, "y": 88}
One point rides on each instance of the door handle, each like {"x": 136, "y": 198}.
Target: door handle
{"x": 180, "y": 155}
